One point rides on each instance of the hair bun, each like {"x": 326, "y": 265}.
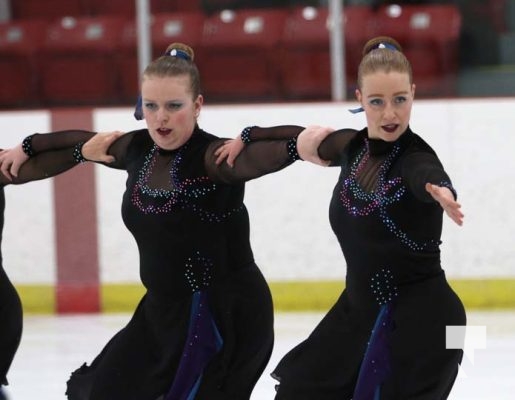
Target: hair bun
{"x": 381, "y": 42}
{"x": 180, "y": 50}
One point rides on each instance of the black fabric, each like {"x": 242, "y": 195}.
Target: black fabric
{"x": 282, "y": 132}
{"x": 43, "y": 142}
{"x": 386, "y": 226}
{"x": 192, "y": 231}
{"x": 10, "y": 312}
{"x": 38, "y": 167}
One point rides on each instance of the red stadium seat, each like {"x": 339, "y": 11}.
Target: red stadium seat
{"x": 176, "y": 27}
{"x": 98, "y": 8}
{"x": 46, "y": 9}
{"x": 429, "y": 36}
{"x": 77, "y": 65}
{"x": 166, "y": 28}
{"x": 19, "y": 42}
{"x": 162, "y": 6}
{"x": 128, "y": 7}
{"x": 239, "y": 58}
{"x": 360, "y": 26}
{"x": 306, "y": 62}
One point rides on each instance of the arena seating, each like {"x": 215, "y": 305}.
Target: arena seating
{"x": 51, "y": 9}
{"x": 360, "y": 26}
{"x": 429, "y": 36}
{"x": 112, "y": 7}
{"x": 166, "y": 28}
{"x": 47, "y": 9}
{"x": 128, "y": 7}
{"x": 186, "y": 27}
{"x": 239, "y": 56}
{"x": 173, "y": 6}
{"x": 77, "y": 65}
{"x": 19, "y": 42}
{"x": 85, "y": 51}
{"x": 305, "y": 63}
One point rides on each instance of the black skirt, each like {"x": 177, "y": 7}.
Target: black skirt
{"x": 327, "y": 364}
{"x": 142, "y": 361}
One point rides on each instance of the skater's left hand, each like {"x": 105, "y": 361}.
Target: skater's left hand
{"x": 95, "y": 149}
{"x": 445, "y": 198}
{"x": 229, "y": 150}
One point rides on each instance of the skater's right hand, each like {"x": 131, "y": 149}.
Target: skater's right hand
{"x": 11, "y": 161}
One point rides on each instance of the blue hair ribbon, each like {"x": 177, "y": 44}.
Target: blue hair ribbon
{"x": 356, "y": 110}
{"x": 138, "y": 111}
{"x": 178, "y": 53}
{"x": 388, "y": 46}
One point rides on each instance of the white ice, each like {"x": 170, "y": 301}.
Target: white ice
{"x": 52, "y": 346}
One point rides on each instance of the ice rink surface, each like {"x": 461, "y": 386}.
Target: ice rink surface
{"x": 53, "y": 346}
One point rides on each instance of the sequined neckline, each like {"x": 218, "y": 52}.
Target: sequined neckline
{"x": 359, "y": 203}
{"x": 165, "y": 152}
{"x": 378, "y": 146}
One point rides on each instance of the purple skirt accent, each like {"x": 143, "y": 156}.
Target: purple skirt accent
{"x": 202, "y": 343}
{"x": 376, "y": 365}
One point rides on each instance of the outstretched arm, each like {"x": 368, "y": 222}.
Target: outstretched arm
{"x": 320, "y": 145}
{"x": 262, "y": 156}
{"x": 12, "y": 159}
{"x": 256, "y": 152}
{"x": 426, "y": 178}
{"x": 53, "y": 162}
{"x": 232, "y": 148}
{"x": 43, "y": 165}
{"x": 255, "y": 160}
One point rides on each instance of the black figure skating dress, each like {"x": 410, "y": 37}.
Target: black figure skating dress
{"x": 204, "y": 328}
{"x": 385, "y": 338}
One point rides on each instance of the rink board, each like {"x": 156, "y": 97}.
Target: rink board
{"x": 288, "y": 296}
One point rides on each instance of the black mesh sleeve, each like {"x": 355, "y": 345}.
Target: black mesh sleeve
{"x": 47, "y": 163}
{"x": 333, "y": 146}
{"x": 256, "y": 159}
{"x": 41, "y": 142}
{"x": 43, "y": 165}
{"x": 420, "y": 168}
{"x": 281, "y": 132}
{"x": 120, "y": 150}
{"x": 70, "y": 138}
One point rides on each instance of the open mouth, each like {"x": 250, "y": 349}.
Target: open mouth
{"x": 390, "y": 128}
{"x": 163, "y": 131}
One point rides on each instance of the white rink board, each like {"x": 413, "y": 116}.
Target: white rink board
{"x": 28, "y": 245}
